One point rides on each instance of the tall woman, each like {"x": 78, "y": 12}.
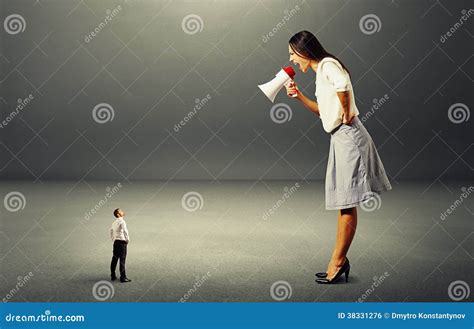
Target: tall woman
{"x": 354, "y": 171}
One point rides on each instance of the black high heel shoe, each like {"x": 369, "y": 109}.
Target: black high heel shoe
{"x": 323, "y": 274}
{"x": 344, "y": 269}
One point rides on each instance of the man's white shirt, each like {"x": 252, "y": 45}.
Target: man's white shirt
{"x": 119, "y": 230}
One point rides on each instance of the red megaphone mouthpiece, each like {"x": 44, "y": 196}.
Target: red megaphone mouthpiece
{"x": 289, "y": 70}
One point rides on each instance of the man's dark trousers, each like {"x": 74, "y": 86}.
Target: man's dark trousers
{"x": 120, "y": 252}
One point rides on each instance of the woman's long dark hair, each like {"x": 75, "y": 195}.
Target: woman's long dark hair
{"x": 305, "y": 44}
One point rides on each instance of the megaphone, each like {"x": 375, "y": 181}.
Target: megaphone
{"x": 283, "y": 77}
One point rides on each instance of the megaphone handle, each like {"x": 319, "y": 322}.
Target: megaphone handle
{"x": 293, "y": 95}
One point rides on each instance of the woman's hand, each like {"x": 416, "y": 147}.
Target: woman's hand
{"x": 347, "y": 120}
{"x": 292, "y": 90}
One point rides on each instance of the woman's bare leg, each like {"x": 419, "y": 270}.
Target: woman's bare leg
{"x": 346, "y": 228}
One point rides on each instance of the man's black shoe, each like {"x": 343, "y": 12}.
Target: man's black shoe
{"x": 125, "y": 280}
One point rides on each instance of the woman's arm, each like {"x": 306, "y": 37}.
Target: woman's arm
{"x": 340, "y": 80}
{"x": 345, "y": 99}
{"x": 311, "y": 105}
{"x": 308, "y": 103}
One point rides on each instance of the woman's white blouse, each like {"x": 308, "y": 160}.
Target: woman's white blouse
{"x": 331, "y": 78}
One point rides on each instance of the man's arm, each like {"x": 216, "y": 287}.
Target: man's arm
{"x": 112, "y": 234}
{"x": 125, "y": 232}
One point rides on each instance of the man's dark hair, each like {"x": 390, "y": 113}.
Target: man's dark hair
{"x": 116, "y": 212}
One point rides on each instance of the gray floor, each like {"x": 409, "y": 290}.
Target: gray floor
{"x": 237, "y": 254}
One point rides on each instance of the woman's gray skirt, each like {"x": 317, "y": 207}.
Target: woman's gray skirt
{"x": 355, "y": 172}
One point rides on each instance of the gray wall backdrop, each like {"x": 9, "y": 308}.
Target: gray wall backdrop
{"x": 151, "y": 63}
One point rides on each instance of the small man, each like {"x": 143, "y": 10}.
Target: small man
{"x": 120, "y": 238}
